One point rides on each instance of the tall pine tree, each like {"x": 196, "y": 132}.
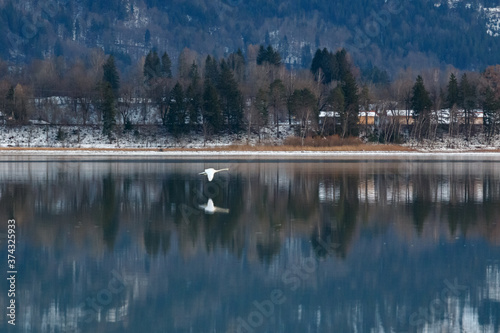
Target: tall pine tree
{"x": 212, "y": 116}
{"x": 237, "y": 63}
{"x": 9, "y": 98}
{"x": 211, "y": 70}
{"x": 268, "y": 55}
{"x": 277, "y": 101}
{"x": 467, "y": 101}
{"x": 231, "y": 99}
{"x": 108, "y": 110}
{"x": 420, "y": 101}
{"x": 262, "y": 109}
{"x": 110, "y": 75}
{"x": 176, "y": 117}
{"x": 303, "y": 104}
{"x": 109, "y": 94}
{"x": 152, "y": 67}
{"x": 166, "y": 66}
{"x": 452, "y": 97}
{"x": 421, "y": 104}
{"x": 491, "y": 109}
{"x": 194, "y": 97}
{"x": 337, "y": 101}
{"x": 351, "y": 106}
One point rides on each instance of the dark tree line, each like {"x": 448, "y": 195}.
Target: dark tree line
{"x": 327, "y": 68}
{"x": 268, "y": 55}
{"x": 254, "y": 93}
{"x": 217, "y": 106}
{"x": 462, "y": 101}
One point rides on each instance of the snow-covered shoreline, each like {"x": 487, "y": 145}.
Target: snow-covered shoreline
{"x": 245, "y": 155}
{"x": 154, "y": 142}
{"x": 140, "y": 137}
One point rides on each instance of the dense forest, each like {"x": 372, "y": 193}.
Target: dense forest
{"x": 178, "y": 66}
{"x": 390, "y": 34}
{"x": 238, "y": 94}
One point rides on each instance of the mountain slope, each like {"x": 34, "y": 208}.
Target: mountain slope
{"x": 389, "y": 34}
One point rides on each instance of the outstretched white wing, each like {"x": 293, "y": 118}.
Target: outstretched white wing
{"x": 210, "y": 172}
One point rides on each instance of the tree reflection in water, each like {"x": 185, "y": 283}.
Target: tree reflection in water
{"x": 385, "y": 237}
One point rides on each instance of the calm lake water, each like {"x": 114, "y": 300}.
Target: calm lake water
{"x": 296, "y": 246}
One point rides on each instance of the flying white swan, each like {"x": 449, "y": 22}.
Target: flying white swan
{"x": 210, "y": 172}
{"x": 210, "y": 208}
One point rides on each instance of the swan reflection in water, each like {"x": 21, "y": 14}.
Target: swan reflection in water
{"x": 209, "y": 208}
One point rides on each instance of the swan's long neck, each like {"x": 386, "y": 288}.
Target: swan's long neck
{"x": 225, "y": 169}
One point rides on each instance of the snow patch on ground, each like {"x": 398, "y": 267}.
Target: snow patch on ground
{"x": 157, "y": 138}
{"x": 477, "y": 142}
{"x": 140, "y": 137}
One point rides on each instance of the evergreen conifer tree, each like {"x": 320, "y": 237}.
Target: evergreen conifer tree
{"x": 110, "y": 75}
{"x": 211, "y": 70}
{"x": 491, "y": 109}
{"x": 176, "y": 117}
{"x": 303, "y": 104}
{"x": 193, "y": 96}
{"x": 351, "y": 107}
{"x": 9, "y": 105}
{"x": 337, "y": 101}
{"x": 268, "y": 55}
{"x": 231, "y": 100}
{"x": 262, "y": 55}
{"x": 152, "y": 66}
{"x": 277, "y": 100}
{"x": 262, "y": 108}
{"x": 108, "y": 110}
{"x": 211, "y": 109}
{"x": 166, "y": 66}
{"x": 420, "y": 101}
{"x": 452, "y": 97}
{"x": 467, "y": 100}
{"x": 421, "y": 105}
